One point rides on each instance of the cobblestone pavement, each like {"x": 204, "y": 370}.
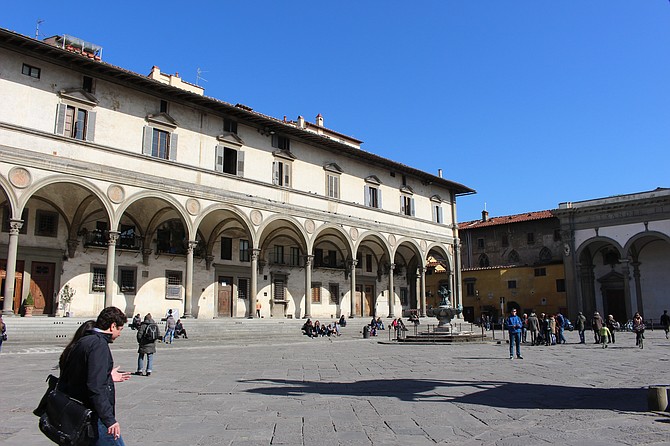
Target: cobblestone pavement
{"x": 361, "y": 392}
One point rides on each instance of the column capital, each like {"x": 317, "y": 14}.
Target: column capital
{"x": 15, "y": 226}
{"x": 391, "y": 266}
{"x": 112, "y": 237}
{"x": 191, "y": 245}
{"x": 308, "y": 259}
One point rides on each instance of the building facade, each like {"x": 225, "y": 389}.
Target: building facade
{"x": 141, "y": 192}
{"x": 513, "y": 261}
{"x": 617, "y": 254}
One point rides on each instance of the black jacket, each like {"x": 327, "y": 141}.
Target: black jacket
{"x": 87, "y": 377}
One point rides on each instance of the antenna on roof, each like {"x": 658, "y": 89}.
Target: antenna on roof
{"x": 37, "y": 28}
{"x": 199, "y": 76}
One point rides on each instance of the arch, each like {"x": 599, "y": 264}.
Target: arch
{"x": 12, "y": 199}
{"x": 337, "y": 231}
{"x": 378, "y": 239}
{"x": 484, "y": 261}
{"x": 641, "y": 236}
{"x": 227, "y": 208}
{"x": 161, "y": 196}
{"x": 513, "y": 257}
{"x": 267, "y": 230}
{"x": 444, "y": 251}
{"x": 41, "y": 184}
{"x": 413, "y": 246}
{"x": 600, "y": 241}
{"x": 545, "y": 255}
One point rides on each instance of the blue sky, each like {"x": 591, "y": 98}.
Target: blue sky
{"x": 531, "y": 103}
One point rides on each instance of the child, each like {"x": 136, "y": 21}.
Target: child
{"x": 605, "y": 335}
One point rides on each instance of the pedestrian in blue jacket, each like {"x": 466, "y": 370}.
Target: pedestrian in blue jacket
{"x": 514, "y": 326}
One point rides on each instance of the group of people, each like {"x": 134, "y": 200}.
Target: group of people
{"x": 316, "y": 329}
{"x": 546, "y": 329}
{"x": 173, "y": 329}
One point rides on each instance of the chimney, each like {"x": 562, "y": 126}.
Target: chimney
{"x": 485, "y": 215}
{"x": 301, "y": 122}
{"x": 155, "y": 73}
{"x": 319, "y": 120}
{"x": 439, "y": 173}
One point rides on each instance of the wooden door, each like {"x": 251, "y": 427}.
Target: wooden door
{"x": 369, "y": 301}
{"x": 18, "y": 283}
{"x": 42, "y": 286}
{"x": 225, "y": 297}
{"x": 357, "y": 300}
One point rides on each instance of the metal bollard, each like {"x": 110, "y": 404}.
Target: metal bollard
{"x": 657, "y": 399}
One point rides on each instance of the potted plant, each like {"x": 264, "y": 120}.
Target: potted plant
{"x": 28, "y": 305}
{"x": 66, "y": 295}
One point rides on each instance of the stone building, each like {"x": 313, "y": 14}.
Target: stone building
{"x": 617, "y": 254}
{"x": 512, "y": 261}
{"x": 141, "y": 192}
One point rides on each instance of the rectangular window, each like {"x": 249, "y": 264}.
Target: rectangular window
{"x": 229, "y": 125}
{"x": 316, "y": 293}
{"x": 331, "y": 260}
{"x": 278, "y": 255}
{"x": 557, "y": 235}
{"x": 359, "y": 260}
{"x": 98, "y": 281}
{"x": 404, "y": 297}
{"x": 226, "y": 248}
{"x": 505, "y": 241}
{"x": 372, "y": 197}
{"x": 334, "y": 291}
{"x": 164, "y": 106}
{"x": 31, "y": 71}
{"x": 281, "y": 142}
{"x": 281, "y": 174}
{"x": 173, "y": 284}
{"x": 437, "y": 214}
{"x": 332, "y": 186}
{"x": 87, "y": 84}
{"x": 560, "y": 285}
{"x": 295, "y": 256}
{"x": 46, "y": 223}
{"x": 407, "y": 206}
{"x": 511, "y": 284}
{"x": 242, "y": 288}
{"x": 279, "y": 294}
{"x": 470, "y": 288}
{"x": 127, "y": 238}
{"x": 127, "y": 281}
{"x": 540, "y": 272}
{"x": 480, "y": 243}
{"x": 159, "y": 143}
{"x": 6, "y": 218}
{"x": 229, "y": 161}
{"x": 244, "y": 250}
{"x": 531, "y": 238}
{"x": 368, "y": 263}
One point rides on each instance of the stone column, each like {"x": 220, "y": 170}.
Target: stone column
{"x": 352, "y": 294}
{"x": 391, "y": 292}
{"x": 110, "y": 284}
{"x": 188, "y": 283}
{"x": 423, "y": 291}
{"x": 253, "y": 293}
{"x": 586, "y": 279}
{"x": 457, "y": 289}
{"x": 14, "y": 228}
{"x": 308, "y": 286}
{"x": 638, "y": 287}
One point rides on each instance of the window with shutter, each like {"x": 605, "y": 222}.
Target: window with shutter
{"x": 173, "y": 284}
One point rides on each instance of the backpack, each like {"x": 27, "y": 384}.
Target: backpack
{"x": 150, "y": 334}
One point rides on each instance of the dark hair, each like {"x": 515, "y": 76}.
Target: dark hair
{"x": 83, "y": 328}
{"x": 109, "y": 316}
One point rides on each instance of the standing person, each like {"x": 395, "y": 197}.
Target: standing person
{"x": 596, "y": 325}
{"x": 514, "y": 325}
{"x": 3, "y": 332}
{"x": 560, "y": 327}
{"x": 524, "y": 328}
{"x": 534, "y": 327}
{"x": 580, "y": 325}
{"x": 147, "y": 336}
{"x": 137, "y": 320}
{"x": 638, "y": 328}
{"x": 170, "y": 325}
{"x": 258, "y": 308}
{"x": 88, "y": 374}
{"x": 605, "y": 335}
{"x": 665, "y": 322}
{"x": 552, "y": 323}
{"x": 612, "y": 325}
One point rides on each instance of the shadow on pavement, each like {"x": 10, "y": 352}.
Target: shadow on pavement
{"x": 486, "y": 393}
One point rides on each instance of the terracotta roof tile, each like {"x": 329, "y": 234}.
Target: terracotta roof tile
{"x": 506, "y": 219}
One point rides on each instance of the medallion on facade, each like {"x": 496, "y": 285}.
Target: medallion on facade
{"x": 193, "y": 206}
{"x": 391, "y": 239}
{"x": 256, "y": 217}
{"x": 116, "y": 193}
{"x": 20, "y": 177}
{"x": 353, "y": 232}
{"x": 423, "y": 245}
{"x": 309, "y": 226}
